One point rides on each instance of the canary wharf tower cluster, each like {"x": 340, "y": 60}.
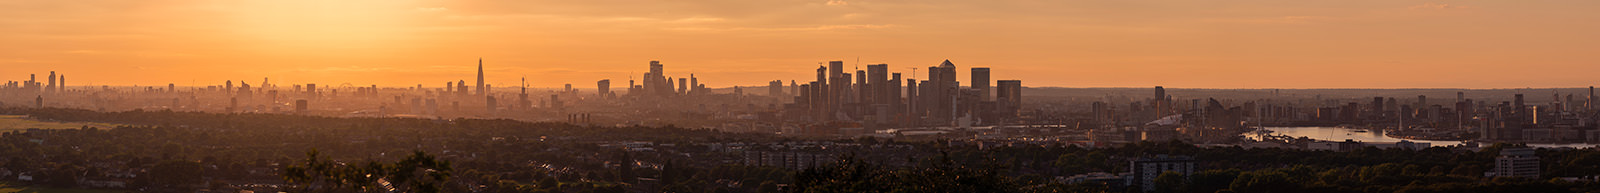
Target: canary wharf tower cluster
{"x": 876, "y": 98}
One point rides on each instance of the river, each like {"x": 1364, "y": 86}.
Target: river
{"x": 1341, "y": 134}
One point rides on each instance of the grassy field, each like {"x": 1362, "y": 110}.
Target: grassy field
{"x": 8, "y": 188}
{"x": 19, "y": 122}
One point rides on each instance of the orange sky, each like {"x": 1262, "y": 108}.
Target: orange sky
{"x": 1070, "y": 43}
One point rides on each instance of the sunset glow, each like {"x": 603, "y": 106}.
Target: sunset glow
{"x": 1178, "y": 43}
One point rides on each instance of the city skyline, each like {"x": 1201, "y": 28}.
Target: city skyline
{"x": 1358, "y": 44}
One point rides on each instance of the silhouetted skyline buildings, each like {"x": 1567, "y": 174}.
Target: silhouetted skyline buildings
{"x": 876, "y": 98}
{"x": 839, "y": 100}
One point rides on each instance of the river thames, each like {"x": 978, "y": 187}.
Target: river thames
{"x": 1365, "y": 135}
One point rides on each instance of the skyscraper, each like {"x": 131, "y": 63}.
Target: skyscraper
{"x": 820, "y": 100}
{"x": 667, "y": 89}
{"x": 481, "y": 91}
{"x": 942, "y": 91}
{"x": 897, "y": 106}
{"x": 1160, "y": 102}
{"x": 1521, "y": 110}
{"x": 52, "y": 86}
{"x": 980, "y": 82}
{"x": 775, "y": 89}
{"x": 1377, "y": 106}
{"x": 683, "y": 86}
{"x": 461, "y": 88}
{"x": 838, "y": 87}
{"x": 1009, "y": 95}
{"x": 878, "y": 81}
{"x": 522, "y": 97}
{"x": 604, "y": 87}
{"x": 862, "y": 90}
{"x": 912, "y": 106}
{"x": 694, "y": 83}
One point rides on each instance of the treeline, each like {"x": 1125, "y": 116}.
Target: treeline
{"x": 179, "y": 151}
{"x": 1222, "y": 169}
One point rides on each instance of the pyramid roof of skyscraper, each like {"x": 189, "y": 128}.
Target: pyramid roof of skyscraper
{"x": 947, "y": 64}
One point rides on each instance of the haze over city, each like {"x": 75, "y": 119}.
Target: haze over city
{"x": 799, "y": 96}
{"x": 1188, "y": 44}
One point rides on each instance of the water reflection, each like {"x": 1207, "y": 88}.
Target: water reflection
{"x": 1363, "y": 135}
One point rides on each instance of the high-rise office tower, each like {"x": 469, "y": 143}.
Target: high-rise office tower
{"x": 1009, "y": 95}
{"x": 1377, "y": 106}
{"x": 934, "y": 95}
{"x": 897, "y": 106}
{"x": 522, "y": 96}
{"x": 820, "y": 100}
{"x": 1392, "y": 105}
{"x": 52, "y": 86}
{"x": 794, "y": 89}
{"x": 817, "y": 100}
{"x": 863, "y": 94}
{"x": 1422, "y": 101}
{"x": 775, "y": 89}
{"x": 1160, "y": 102}
{"x": 694, "y": 84}
{"x": 943, "y": 89}
{"x": 803, "y": 96}
{"x": 838, "y": 87}
{"x": 171, "y": 88}
{"x": 847, "y": 96}
{"x": 668, "y": 89}
{"x": 878, "y": 79}
{"x": 1461, "y": 96}
{"x": 1521, "y": 109}
{"x": 311, "y": 90}
{"x": 1567, "y": 104}
{"x": 604, "y": 87}
{"x": 481, "y": 89}
{"x": 980, "y": 82}
{"x": 912, "y": 101}
{"x": 653, "y": 81}
{"x": 1589, "y": 105}
{"x": 228, "y": 86}
{"x": 61, "y": 85}
{"x": 461, "y": 88}
{"x": 449, "y": 87}
{"x": 683, "y": 86}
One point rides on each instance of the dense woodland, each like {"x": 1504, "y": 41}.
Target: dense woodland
{"x": 186, "y": 151}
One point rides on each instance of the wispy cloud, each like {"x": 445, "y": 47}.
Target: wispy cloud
{"x": 1436, "y": 6}
{"x": 811, "y": 28}
{"x": 838, "y": 2}
{"x": 1271, "y": 20}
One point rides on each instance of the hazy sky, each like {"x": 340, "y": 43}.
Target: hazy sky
{"x": 1091, "y": 43}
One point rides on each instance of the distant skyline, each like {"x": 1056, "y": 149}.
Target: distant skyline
{"x": 1172, "y": 43}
